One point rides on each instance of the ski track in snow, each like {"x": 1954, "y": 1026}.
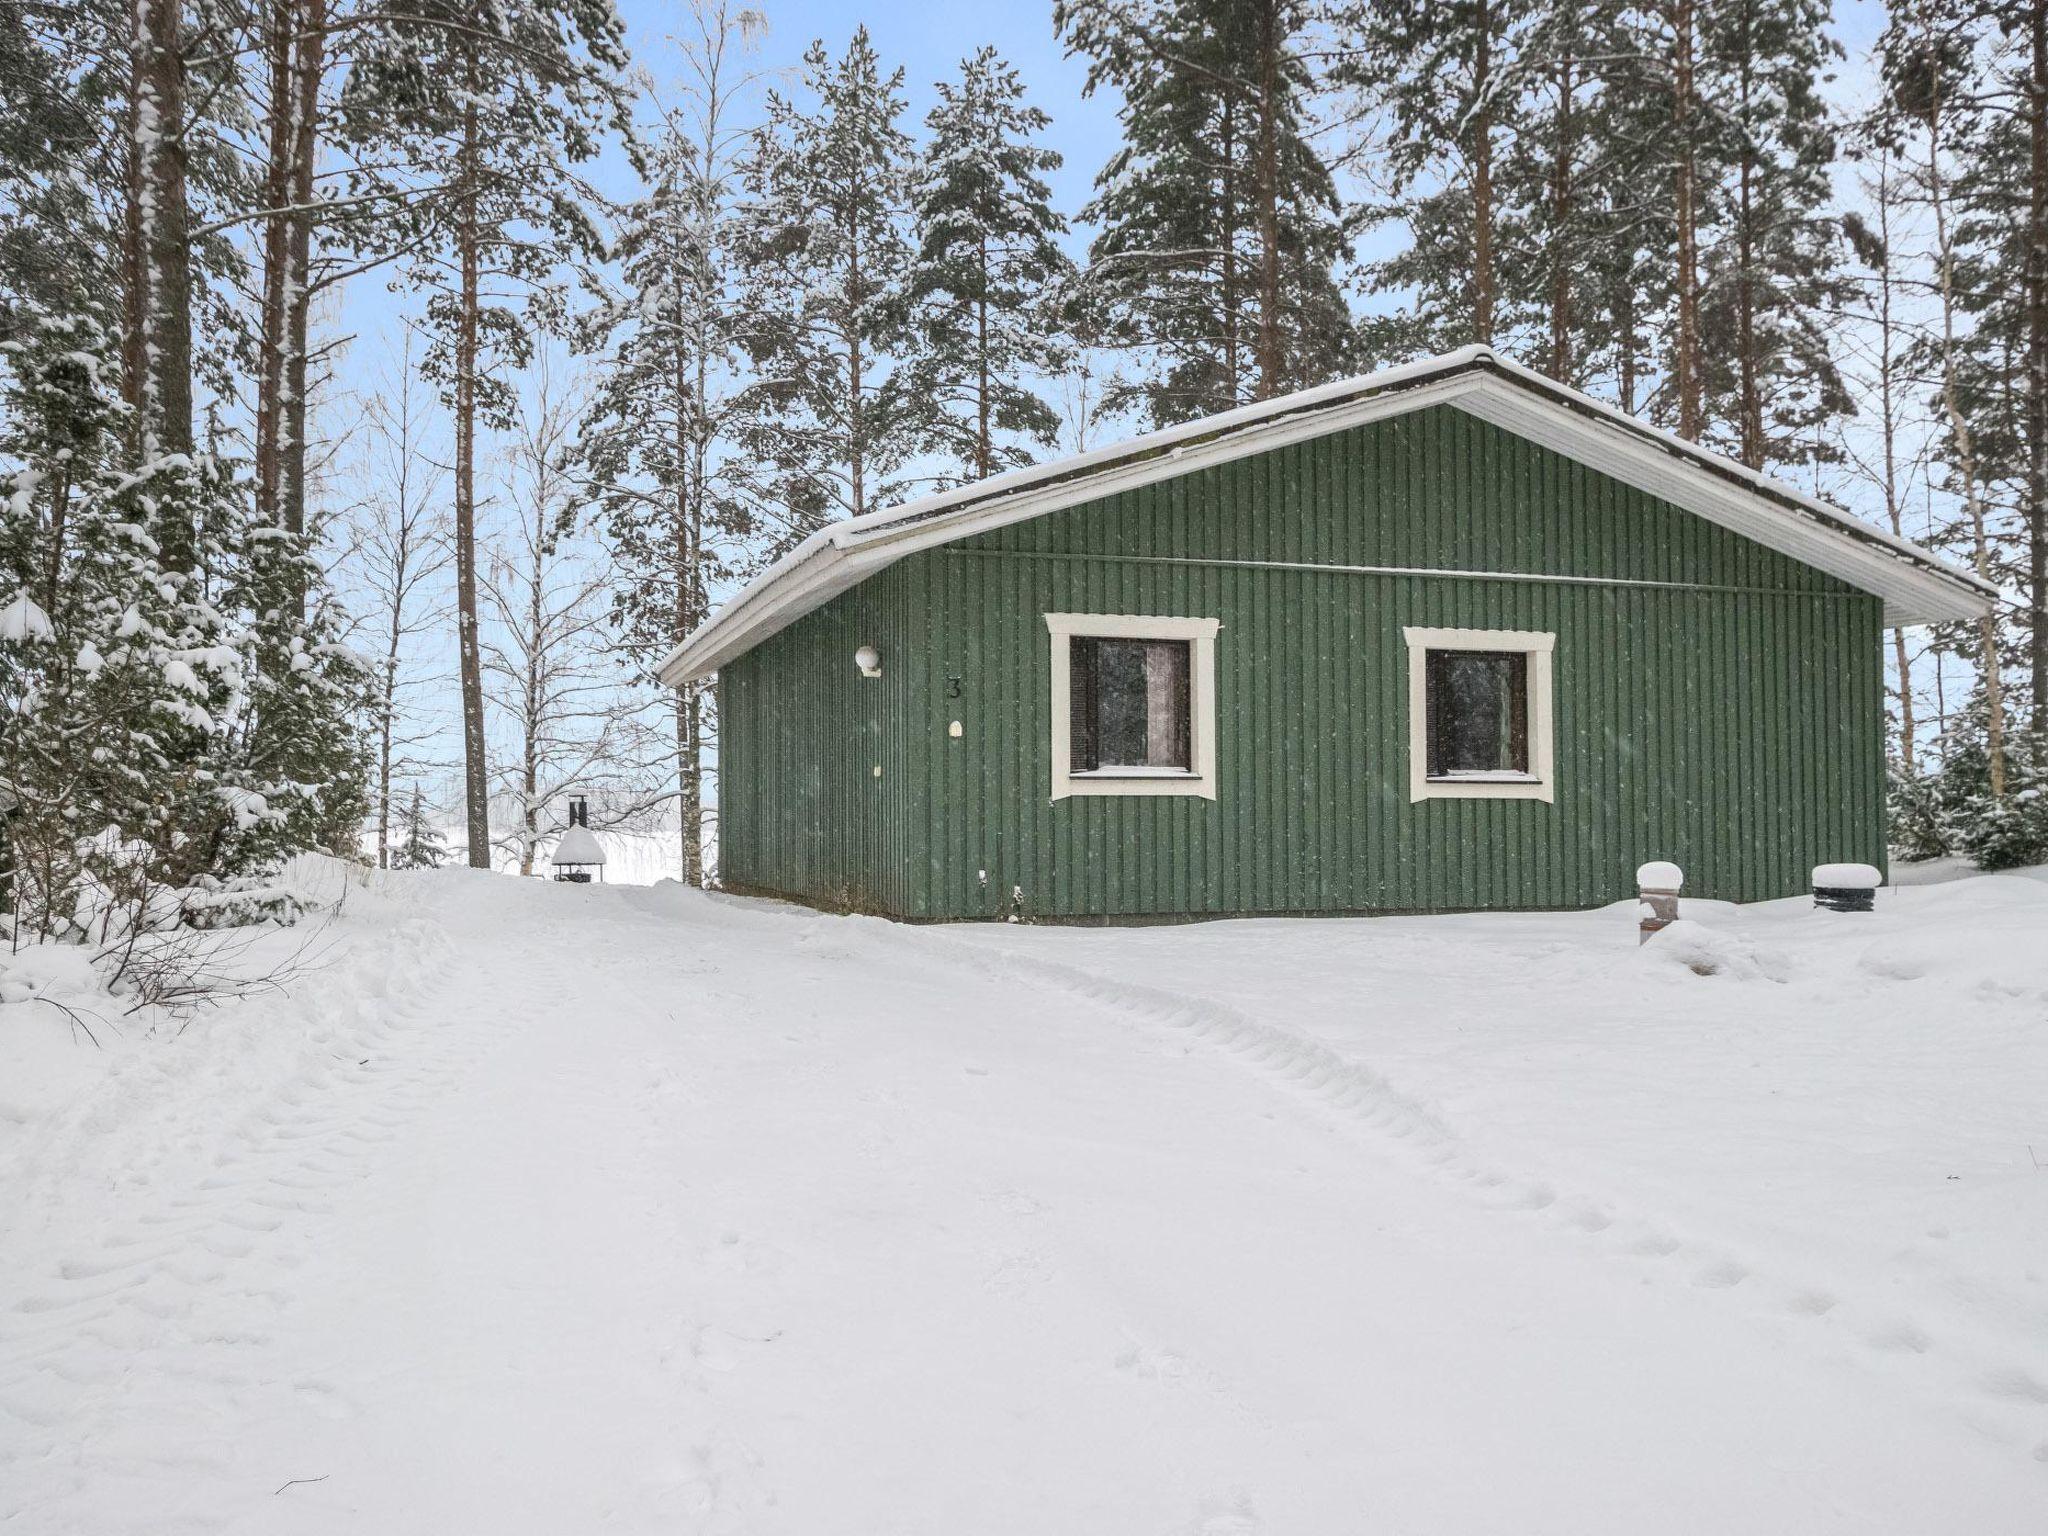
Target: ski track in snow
{"x": 1994, "y": 1392}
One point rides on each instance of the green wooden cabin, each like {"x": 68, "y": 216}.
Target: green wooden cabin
{"x": 1450, "y": 636}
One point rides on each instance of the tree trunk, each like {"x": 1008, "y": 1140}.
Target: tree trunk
{"x": 1272, "y": 365}
{"x": 386, "y": 708}
{"x": 1745, "y": 301}
{"x": 1227, "y": 242}
{"x": 984, "y": 447}
{"x": 1625, "y": 342}
{"x": 1561, "y": 244}
{"x": 167, "y": 250}
{"x": 476, "y": 785}
{"x": 1686, "y": 363}
{"x": 2037, "y": 372}
{"x": 533, "y": 701}
{"x": 1482, "y": 180}
{"x": 277, "y": 178}
{"x": 1748, "y": 364}
{"x": 1888, "y": 421}
{"x": 855, "y": 360}
{"x": 134, "y": 260}
{"x": 298, "y": 315}
{"x": 60, "y": 509}
{"x": 1965, "y": 452}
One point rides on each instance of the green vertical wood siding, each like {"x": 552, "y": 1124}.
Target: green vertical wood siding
{"x": 1732, "y": 722}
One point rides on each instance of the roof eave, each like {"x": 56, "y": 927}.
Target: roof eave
{"x": 1915, "y": 586}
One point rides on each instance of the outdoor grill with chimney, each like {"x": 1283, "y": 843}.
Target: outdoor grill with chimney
{"x": 578, "y": 851}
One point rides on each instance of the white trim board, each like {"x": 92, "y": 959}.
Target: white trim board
{"x": 1201, "y": 637}
{"x": 1915, "y": 585}
{"x": 1541, "y": 780}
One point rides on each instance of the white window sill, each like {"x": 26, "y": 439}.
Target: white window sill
{"x": 1485, "y": 776}
{"x": 1102, "y": 782}
{"x": 1485, "y": 786}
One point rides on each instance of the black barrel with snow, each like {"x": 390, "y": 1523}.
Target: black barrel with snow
{"x": 1846, "y": 887}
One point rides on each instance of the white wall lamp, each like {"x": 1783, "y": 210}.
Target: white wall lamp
{"x": 869, "y": 660}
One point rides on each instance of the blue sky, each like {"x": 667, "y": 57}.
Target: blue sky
{"x": 929, "y": 41}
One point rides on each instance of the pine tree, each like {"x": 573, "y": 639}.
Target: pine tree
{"x": 1772, "y": 270}
{"x": 1220, "y": 231}
{"x": 1577, "y": 269}
{"x": 987, "y": 270}
{"x": 1446, "y": 79}
{"x": 656, "y": 445}
{"x": 499, "y": 103}
{"x": 1929, "y": 56}
{"x": 2001, "y": 285}
{"x": 419, "y": 844}
{"x": 59, "y": 86}
{"x": 826, "y": 258}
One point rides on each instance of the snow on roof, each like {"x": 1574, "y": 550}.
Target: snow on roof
{"x": 1917, "y": 586}
{"x": 578, "y": 845}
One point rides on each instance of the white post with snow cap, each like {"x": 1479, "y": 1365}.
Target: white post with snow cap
{"x": 1846, "y": 887}
{"x": 1657, "y": 886}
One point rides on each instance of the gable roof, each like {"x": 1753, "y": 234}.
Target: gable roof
{"x": 1917, "y": 586}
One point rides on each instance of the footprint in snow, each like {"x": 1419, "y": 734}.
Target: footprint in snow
{"x": 2018, "y": 1386}
{"x": 1813, "y": 1303}
{"x": 1900, "y": 1339}
{"x": 717, "y": 1350}
{"x": 1224, "y": 1515}
{"x": 1720, "y": 1276}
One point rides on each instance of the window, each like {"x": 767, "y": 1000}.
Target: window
{"x": 1478, "y": 713}
{"x": 1130, "y": 705}
{"x": 1133, "y": 705}
{"x": 1479, "y": 705}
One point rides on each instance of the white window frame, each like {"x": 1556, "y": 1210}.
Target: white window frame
{"x": 1540, "y": 782}
{"x": 1201, "y": 637}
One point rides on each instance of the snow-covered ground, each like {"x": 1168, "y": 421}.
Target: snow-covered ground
{"x": 557, "y": 1210}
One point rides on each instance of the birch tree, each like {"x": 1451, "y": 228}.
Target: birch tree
{"x": 567, "y": 721}
{"x": 656, "y": 445}
{"x": 398, "y": 561}
{"x": 502, "y": 104}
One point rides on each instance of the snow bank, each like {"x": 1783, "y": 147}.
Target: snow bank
{"x": 58, "y": 973}
{"x": 1707, "y": 951}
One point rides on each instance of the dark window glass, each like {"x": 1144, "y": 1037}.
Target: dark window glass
{"x": 1478, "y": 712}
{"x": 1130, "y": 703}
